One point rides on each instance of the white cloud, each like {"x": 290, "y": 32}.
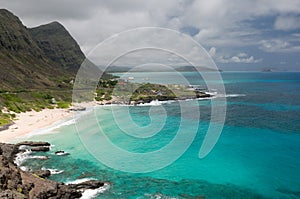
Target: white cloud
{"x": 239, "y": 58}
{"x": 287, "y": 23}
{"x": 242, "y": 55}
{"x": 158, "y": 45}
{"x": 279, "y": 45}
{"x": 212, "y": 52}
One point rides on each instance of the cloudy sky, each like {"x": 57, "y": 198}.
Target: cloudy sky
{"x": 238, "y": 34}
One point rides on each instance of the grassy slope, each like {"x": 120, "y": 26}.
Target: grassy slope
{"x": 36, "y": 65}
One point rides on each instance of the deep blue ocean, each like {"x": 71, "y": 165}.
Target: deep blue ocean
{"x": 257, "y": 155}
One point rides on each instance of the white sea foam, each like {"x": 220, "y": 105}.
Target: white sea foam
{"x": 89, "y": 193}
{"x": 92, "y": 193}
{"x": 42, "y": 157}
{"x": 23, "y": 168}
{"x": 62, "y": 153}
{"x": 229, "y": 95}
{"x": 53, "y": 171}
{"x": 158, "y": 196}
{"x": 52, "y": 146}
{"x": 235, "y": 95}
{"x": 156, "y": 103}
{"x": 23, "y": 147}
{"x": 211, "y": 93}
{"x": 78, "y": 181}
{"x": 22, "y": 156}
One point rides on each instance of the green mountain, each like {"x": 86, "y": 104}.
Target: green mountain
{"x": 58, "y": 45}
{"x": 37, "y": 66}
{"x": 36, "y": 58}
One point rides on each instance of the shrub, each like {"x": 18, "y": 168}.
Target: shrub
{"x": 4, "y": 119}
{"x": 63, "y": 104}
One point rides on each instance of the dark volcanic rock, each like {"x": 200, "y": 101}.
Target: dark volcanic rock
{"x": 40, "y": 148}
{"x": 31, "y": 143}
{"x": 10, "y": 180}
{"x": 9, "y": 194}
{"x": 91, "y": 184}
{"x": 202, "y": 95}
{"x": 17, "y": 184}
{"x": 5, "y": 127}
{"x": 43, "y": 173}
{"x": 36, "y": 146}
{"x": 61, "y": 153}
{"x": 9, "y": 151}
{"x": 191, "y": 197}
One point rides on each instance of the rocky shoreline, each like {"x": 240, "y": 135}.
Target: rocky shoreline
{"x": 149, "y": 99}
{"x": 18, "y": 184}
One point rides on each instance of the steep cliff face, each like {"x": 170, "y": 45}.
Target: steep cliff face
{"x": 58, "y": 45}
{"x": 14, "y": 36}
{"x": 37, "y": 57}
{"x": 22, "y": 62}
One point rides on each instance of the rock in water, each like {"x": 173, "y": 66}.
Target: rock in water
{"x": 31, "y": 143}
{"x": 43, "y": 173}
{"x": 61, "y": 153}
{"x": 91, "y": 184}
{"x": 18, "y": 184}
{"x": 40, "y": 148}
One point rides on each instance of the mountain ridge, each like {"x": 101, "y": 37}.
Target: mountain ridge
{"x": 36, "y": 58}
{"x": 55, "y": 41}
{"x": 38, "y": 66}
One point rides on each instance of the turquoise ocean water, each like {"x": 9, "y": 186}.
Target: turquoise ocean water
{"x": 257, "y": 155}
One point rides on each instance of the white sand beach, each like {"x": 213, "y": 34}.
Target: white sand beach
{"x": 32, "y": 121}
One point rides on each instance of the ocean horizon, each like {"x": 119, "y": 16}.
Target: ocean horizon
{"x": 256, "y": 156}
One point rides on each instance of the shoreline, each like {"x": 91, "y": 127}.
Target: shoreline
{"x": 19, "y": 183}
{"x": 31, "y": 121}
{"x": 26, "y": 123}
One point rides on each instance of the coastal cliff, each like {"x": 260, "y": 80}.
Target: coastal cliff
{"x": 18, "y": 184}
{"x": 37, "y": 67}
{"x": 24, "y": 61}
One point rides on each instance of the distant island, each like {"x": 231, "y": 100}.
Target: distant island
{"x": 273, "y": 70}
{"x": 115, "y": 69}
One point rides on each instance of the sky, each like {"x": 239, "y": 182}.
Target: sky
{"x": 238, "y": 34}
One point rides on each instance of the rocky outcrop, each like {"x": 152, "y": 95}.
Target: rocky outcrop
{"x": 9, "y": 151}
{"x": 61, "y": 153}
{"x": 202, "y": 95}
{"x": 36, "y": 146}
{"x": 40, "y": 148}
{"x": 18, "y": 184}
{"x": 43, "y": 173}
{"x": 31, "y": 143}
{"x": 91, "y": 184}
{"x": 5, "y": 127}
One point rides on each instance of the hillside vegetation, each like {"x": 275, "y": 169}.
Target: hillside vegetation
{"x": 37, "y": 66}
